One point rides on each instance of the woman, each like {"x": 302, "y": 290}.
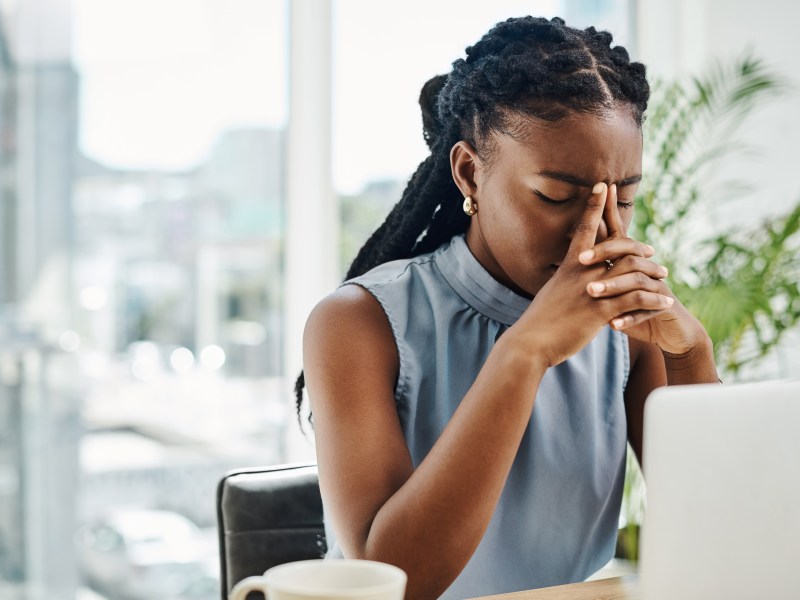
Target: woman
{"x": 475, "y": 381}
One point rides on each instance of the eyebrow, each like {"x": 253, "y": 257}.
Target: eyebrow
{"x": 566, "y": 177}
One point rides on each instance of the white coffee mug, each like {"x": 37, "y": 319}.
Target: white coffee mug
{"x": 334, "y": 578}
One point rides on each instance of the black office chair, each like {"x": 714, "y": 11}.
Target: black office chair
{"x": 266, "y": 517}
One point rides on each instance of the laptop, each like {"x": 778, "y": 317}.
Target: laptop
{"x": 722, "y": 467}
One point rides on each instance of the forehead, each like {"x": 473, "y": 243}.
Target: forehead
{"x": 604, "y": 147}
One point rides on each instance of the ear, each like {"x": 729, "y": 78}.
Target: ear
{"x": 464, "y": 165}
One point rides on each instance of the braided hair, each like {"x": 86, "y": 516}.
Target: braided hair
{"x": 526, "y": 67}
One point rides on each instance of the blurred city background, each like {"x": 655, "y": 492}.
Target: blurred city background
{"x": 153, "y": 281}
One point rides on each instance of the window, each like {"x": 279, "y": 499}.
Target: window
{"x": 142, "y": 152}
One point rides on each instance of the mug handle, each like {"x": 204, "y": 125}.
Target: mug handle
{"x": 256, "y": 583}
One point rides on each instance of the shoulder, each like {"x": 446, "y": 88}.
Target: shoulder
{"x": 643, "y": 354}
{"x": 647, "y": 373}
{"x": 395, "y": 273}
{"x": 349, "y": 308}
{"x": 634, "y": 349}
{"x": 646, "y": 369}
{"x": 348, "y": 329}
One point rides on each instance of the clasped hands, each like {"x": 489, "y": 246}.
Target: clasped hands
{"x": 611, "y": 281}
{"x": 624, "y": 267}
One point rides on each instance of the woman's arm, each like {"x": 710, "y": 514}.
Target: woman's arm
{"x": 428, "y": 521}
{"x": 652, "y": 368}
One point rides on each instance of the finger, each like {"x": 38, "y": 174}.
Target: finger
{"x": 630, "y": 319}
{"x": 585, "y": 234}
{"x": 611, "y": 249}
{"x": 616, "y": 228}
{"x": 631, "y": 263}
{"x": 629, "y": 282}
{"x": 635, "y": 301}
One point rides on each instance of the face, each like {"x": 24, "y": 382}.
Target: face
{"x": 533, "y": 191}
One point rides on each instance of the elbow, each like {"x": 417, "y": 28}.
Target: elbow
{"x": 427, "y": 580}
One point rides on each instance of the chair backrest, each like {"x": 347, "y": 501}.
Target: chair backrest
{"x": 266, "y": 517}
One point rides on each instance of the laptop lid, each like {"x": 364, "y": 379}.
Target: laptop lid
{"x": 722, "y": 468}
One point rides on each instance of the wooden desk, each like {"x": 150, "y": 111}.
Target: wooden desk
{"x": 617, "y": 588}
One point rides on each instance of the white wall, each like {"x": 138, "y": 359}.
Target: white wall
{"x": 682, "y": 36}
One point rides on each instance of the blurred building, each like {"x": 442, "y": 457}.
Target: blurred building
{"x": 180, "y": 261}
{"x": 186, "y": 258}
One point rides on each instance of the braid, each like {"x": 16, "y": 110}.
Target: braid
{"x": 527, "y": 67}
{"x": 409, "y": 218}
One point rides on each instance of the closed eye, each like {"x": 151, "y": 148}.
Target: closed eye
{"x": 549, "y": 200}
{"x": 620, "y": 203}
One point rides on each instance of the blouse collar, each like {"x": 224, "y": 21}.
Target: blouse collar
{"x": 476, "y": 286}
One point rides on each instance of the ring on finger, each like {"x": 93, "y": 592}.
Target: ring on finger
{"x": 609, "y": 264}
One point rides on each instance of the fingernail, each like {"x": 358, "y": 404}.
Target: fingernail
{"x": 618, "y": 323}
{"x": 664, "y": 271}
{"x": 649, "y": 247}
{"x": 597, "y": 287}
{"x": 599, "y": 188}
{"x": 669, "y": 301}
{"x": 586, "y": 255}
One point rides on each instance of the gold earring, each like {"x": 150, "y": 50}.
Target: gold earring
{"x": 470, "y": 206}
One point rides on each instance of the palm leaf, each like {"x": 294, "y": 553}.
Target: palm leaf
{"x": 741, "y": 285}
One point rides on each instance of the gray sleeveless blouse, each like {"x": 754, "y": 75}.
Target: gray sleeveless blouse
{"x": 557, "y": 518}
